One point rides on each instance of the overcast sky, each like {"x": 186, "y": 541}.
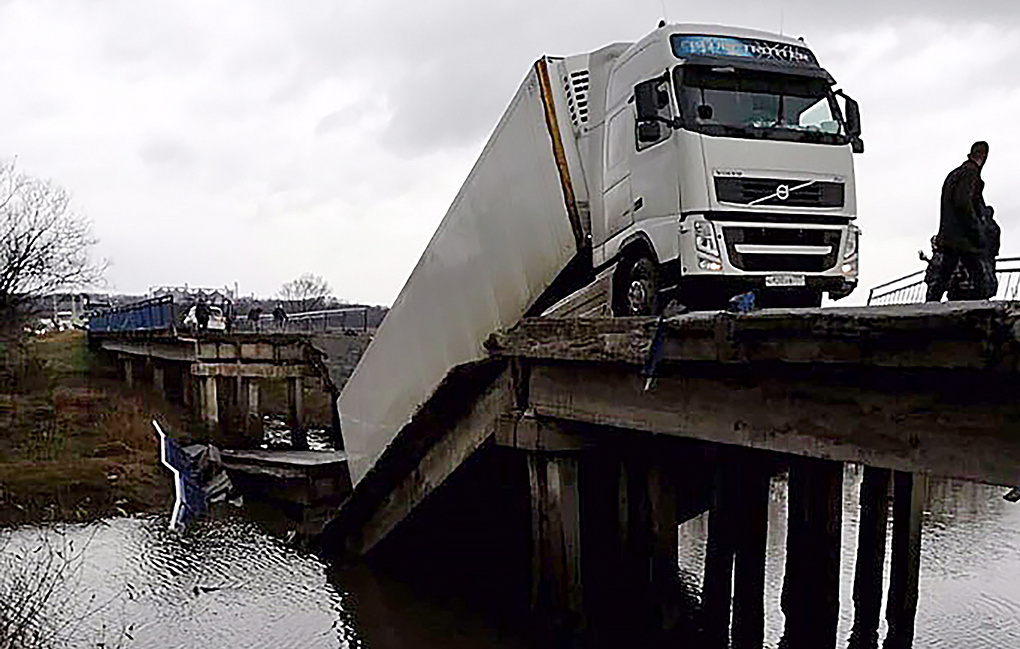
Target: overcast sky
{"x": 251, "y": 141}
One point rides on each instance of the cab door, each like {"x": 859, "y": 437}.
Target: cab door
{"x": 655, "y": 167}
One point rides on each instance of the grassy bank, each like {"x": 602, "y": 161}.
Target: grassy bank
{"x": 77, "y": 444}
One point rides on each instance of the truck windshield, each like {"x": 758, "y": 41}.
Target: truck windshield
{"x": 736, "y": 102}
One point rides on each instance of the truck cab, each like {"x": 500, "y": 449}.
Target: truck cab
{"x": 718, "y": 161}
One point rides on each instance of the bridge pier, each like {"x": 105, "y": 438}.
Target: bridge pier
{"x": 810, "y": 599}
{"x": 734, "y": 580}
{"x": 557, "y": 588}
{"x": 604, "y": 532}
{"x": 249, "y": 390}
{"x": 187, "y": 385}
{"x": 159, "y": 379}
{"x": 209, "y": 402}
{"x": 295, "y": 414}
{"x": 128, "y": 363}
{"x": 909, "y": 497}
{"x": 870, "y": 558}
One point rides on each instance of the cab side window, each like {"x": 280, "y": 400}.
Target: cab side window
{"x": 648, "y": 134}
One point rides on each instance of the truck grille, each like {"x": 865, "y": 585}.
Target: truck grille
{"x": 779, "y": 191}
{"x": 784, "y": 262}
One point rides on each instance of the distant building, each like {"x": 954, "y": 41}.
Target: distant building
{"x": 187, "y": 294}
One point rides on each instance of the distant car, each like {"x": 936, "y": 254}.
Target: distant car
{"x": 216, "y": 320}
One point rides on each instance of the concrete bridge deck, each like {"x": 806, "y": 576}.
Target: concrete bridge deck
{"x": 219, "y": 375}
{"x": 929, "y": 388}
{"x": 608, "y": 466}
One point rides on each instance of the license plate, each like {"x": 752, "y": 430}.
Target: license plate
{"x": 784, "y": 280}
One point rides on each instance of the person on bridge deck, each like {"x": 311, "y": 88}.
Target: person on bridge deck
{"x": 202, "y": 314}
{"x": 228, "y": 315}
{"x": 279, "y": 316}
{"x": 959, "y": 237}
{"x": 254, "y": 315}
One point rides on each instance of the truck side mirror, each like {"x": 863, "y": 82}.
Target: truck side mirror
{"x": 649, "y": 131}
{"x": 646, "y": 100}
{"x": 853, "y": 118}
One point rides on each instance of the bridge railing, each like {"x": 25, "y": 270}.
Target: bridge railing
{"x": 161, "y": 314}
{"x": 154, "y": 314}
{"x": 340, "y": 319}
{"x": 911, "y": 289}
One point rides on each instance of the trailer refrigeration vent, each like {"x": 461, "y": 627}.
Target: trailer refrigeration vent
{"x": 576, "y": 87}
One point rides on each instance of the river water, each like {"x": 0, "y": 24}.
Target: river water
{"x": 226, "y": 583}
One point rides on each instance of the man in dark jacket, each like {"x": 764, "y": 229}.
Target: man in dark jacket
{"x": 959, "y": 237}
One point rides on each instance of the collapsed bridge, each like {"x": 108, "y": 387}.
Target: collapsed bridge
{"x": 552, "y": 475}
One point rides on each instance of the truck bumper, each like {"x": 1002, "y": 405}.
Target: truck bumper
{"x": 723, "y": 258}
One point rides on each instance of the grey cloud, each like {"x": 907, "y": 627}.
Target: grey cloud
{"x": 243, "y": 127}
{"x": 449, "y": 68}
{"x": 347, "y": 116}
{"x": 165, "y": 152}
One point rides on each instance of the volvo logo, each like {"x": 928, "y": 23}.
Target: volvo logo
{"x": 783, "y": 192}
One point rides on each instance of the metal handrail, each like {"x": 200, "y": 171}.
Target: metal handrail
{"x": 911, "y": 289}
{"x": 160, "y": 314}
{"x": 152, "y": 314}
{"x": 306, "y": 320}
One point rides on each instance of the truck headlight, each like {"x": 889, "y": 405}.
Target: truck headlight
{"x": 704, "y": 238}
{"x": 851, "y": 242}
{"x": 705, "y": 263}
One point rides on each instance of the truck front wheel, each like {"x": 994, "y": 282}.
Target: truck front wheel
{"x": 636, "y": 288}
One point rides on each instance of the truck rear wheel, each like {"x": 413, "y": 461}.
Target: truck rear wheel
{"x": 636, "y": 288}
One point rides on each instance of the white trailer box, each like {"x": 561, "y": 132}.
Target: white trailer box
{"x": 511, "y": 229}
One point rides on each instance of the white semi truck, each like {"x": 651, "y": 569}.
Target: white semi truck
{"x": 696, "y": 164}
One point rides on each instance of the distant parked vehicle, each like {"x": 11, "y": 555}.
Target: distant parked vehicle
{"x": 217, "y": 321}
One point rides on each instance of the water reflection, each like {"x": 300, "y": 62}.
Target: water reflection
{"x": 276, "y": 434}
{"x": 227, "y": 583}
{"x": 223, "y": 583}
{"x": 970, "y": 564}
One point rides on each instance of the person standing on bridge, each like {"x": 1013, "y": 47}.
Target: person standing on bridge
{"x": 962, "y": 214}
{"x": 280, "y": 317}
{"x": 202, "y": 313}
{"x": 990, "y": 239}
{"x": 254, "y": 315}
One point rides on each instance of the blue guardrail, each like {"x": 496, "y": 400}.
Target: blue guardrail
{"x": 156, "y": 314}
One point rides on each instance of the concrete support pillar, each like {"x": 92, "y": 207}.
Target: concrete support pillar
{"x": 752, "y": 496}
{"x": 662, "y": 504}
{"x": 187, "y": 386}
{"x": 556, "y": 586}
{"x": 209, "y": 402}
{"x": 129, "y": 371}
{"x": 810, "y": 599}
{"x": 870, "y": 558}
{"x": 295, "y": 414}
{"x": 252, "y": 412}
{"x": 630, "y": 546}
{"x": 735, "y": 553}
{"x": 719, "y": 552}
{"x": 335, "y": 432}
{"x": 158, "y": 378}
{"x": 909, "y": 497}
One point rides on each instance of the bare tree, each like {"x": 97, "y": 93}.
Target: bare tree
{"x": 43, "y": 601}
{"x": 306, "y": 293}
{"x": 45, "y": 245}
